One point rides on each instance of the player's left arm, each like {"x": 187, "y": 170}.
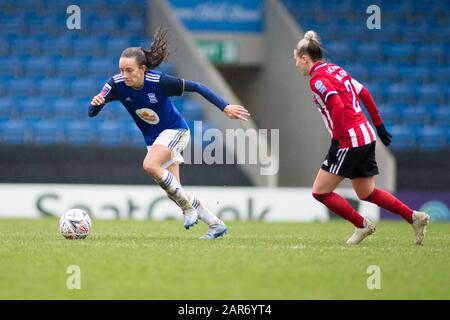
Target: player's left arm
{"x": 173, "y": 86}
{"x": 371, "y": 107}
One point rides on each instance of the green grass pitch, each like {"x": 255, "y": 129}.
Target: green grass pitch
{"x": 256, "y": 260}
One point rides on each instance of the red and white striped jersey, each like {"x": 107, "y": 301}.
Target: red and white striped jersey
{"x": 328, "y": 79}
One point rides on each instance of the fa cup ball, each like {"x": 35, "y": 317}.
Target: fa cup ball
{"x": 75, "y": 224}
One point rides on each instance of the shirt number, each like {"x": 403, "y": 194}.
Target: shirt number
{"x": 349, "y": 88}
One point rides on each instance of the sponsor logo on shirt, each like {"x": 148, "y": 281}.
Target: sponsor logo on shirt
{"x": 148, "y": 115}
{"x": 152, "y": 98}
{"x": 128, "y": 99}
{"x": 320, "y": 86}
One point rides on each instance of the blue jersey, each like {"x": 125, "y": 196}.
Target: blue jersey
{"x": 150, "y": 106}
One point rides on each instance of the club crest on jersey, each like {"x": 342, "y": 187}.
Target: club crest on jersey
{"x": 148, "y": 115}
{"x": 152, "y": 98}
{"x": 320, "y": 86}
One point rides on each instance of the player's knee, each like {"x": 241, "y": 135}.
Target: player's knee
{"x": 365, "y": 195}
{"x": 320, "y": 196}
{"x": 151, "y": 167}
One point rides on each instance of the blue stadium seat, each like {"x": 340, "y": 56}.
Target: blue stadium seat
{"x": 7, "y": 109}
{"x": 430, "y": 94}
{"x": 368, "y": 52}
{"x": 135, "y": 26}
{"x": 37, "y": 26}
{"x": 5, "y": 47}
{"x": 398, "y": 53}
{"x": 357, "y": 71}
{"x": 60, "y": 46}
{"x": 42, "y": 66}
{"x": 440, "y": 74}
{"x": 12, "y": 24}
{"x": 340, "y": 51}
{"x": 104, "y": 27}
{"x": 414, "y": 33}
{"x": 378, "y": 91}
{"x": 389, "y": 114}
{"x": 134, "y": 135}
{"x": 401, "y": 93}
{"x": 47, "y": 132}
{"x": 413, "y": 74}
{"x": 430, "y": 54}
{"x": 80, "y": 132}
{"x": 383, "y": 73}
{"x": 20, "y": 87}
{"x": 67, "y": 109}
{"x": 14, "y": 132}
{"x": 86, "y": 47}
{"x": 415, "y": 116}
{"x": 441, "y": 117}
{"x": 90, "y": 5}
{"x": 52, "y": 87}
{"x": 192, "y": 110}
{"x": 24, "y": 46}
{"x": 9, "y": 66}
{"x": 115, "y": 111}
{"x": 84, "y": 88}
{"x": 403, "y": 138}
{"x": 431, "y": 139}
{"x": 35, "y": 109}
{"x": 103, "y": 66}
{"x": 440, "y": 34}
{"x": 71, "y": 67}
{"x": 112, "y": 133}
{"x": 115, "y": 46}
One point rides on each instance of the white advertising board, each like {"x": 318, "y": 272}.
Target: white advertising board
{"x": 150, "y": 202}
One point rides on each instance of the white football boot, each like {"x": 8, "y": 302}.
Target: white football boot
{"x": 190, "y": 218}
{"x": 361, "y": 233}
{"x": 215, "y": 231}
{"x": 420, "y": 220}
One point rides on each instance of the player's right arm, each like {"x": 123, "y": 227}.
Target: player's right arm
{"x": 108, "y": 93}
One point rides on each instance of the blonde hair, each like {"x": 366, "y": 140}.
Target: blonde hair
{"x": 310, "y": 45}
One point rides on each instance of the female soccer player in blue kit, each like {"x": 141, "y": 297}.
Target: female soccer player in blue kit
{"x": 145, "y": 94}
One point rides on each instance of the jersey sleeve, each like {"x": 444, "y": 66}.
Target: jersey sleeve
{"x": 171, "y": 86}
{"x": 357, "y": 85}
{"x": 322, "y": 87}
{"x": 109, "y": 92}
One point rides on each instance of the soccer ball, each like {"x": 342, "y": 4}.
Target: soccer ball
{"x": 75, "y": 224}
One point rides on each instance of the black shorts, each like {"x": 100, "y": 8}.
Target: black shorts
{"x": 354, "y": 163}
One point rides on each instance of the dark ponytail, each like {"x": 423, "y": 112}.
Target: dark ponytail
{"x": 157, "y": 54}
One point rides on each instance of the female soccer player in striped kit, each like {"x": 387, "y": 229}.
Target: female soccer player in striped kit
{"x": 352, "y": 151}
{"x": 145, "y": 94}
